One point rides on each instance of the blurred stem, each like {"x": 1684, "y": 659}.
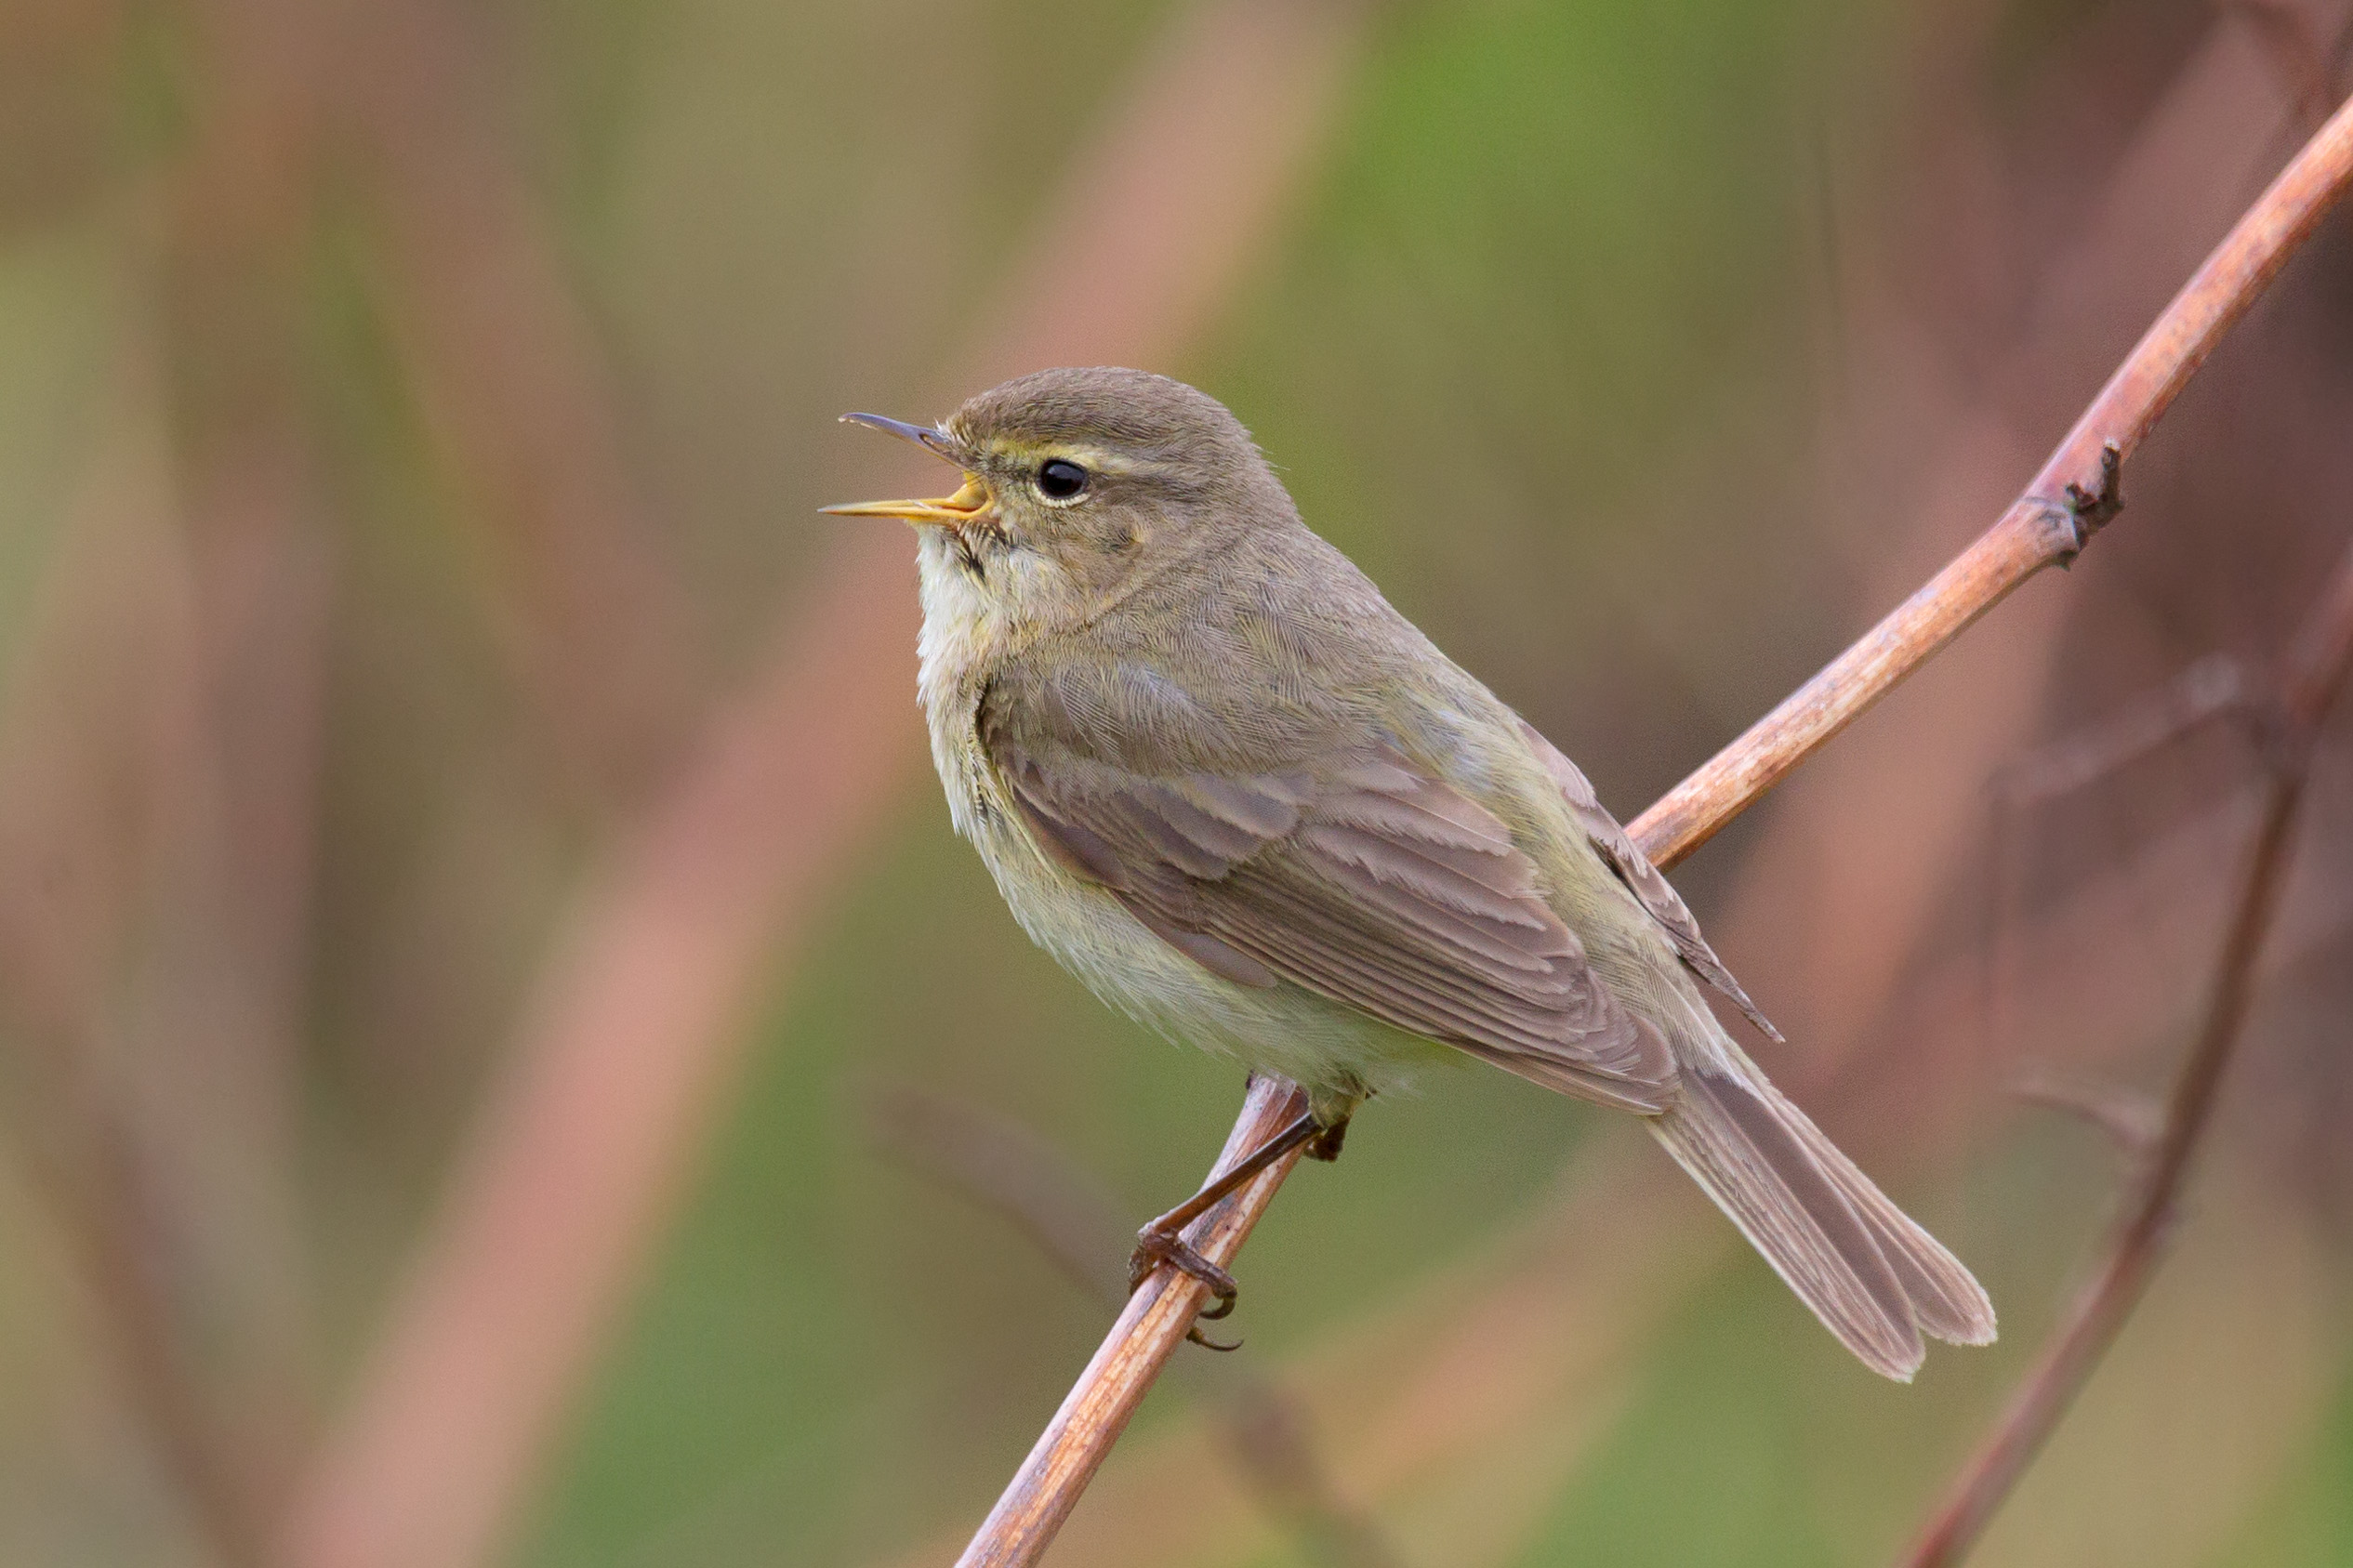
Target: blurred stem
{"x": 85, "y": 1164}
{"x": 2301, "y": 691}
{"x": 2073, "y": 495}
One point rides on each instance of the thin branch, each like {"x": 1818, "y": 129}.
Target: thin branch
{"x": 1074, "y": 1223}
{"x": 1154, "y": 1323}
{"x": 2308, "y": 680}
{"x": 1004, "y": 1168}
{"x": 2212, "y": 688}
{"x": 2068, "y": 501}
{"x": 2042, "y": 526}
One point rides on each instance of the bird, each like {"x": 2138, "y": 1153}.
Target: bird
{"x": 1247, "y": 802}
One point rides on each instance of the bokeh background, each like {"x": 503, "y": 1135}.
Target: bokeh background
{"x": 504, "y": 1061}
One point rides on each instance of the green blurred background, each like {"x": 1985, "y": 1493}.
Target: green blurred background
{"x": 412, "y": 419}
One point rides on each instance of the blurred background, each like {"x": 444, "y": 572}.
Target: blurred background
{"x": 502, "y": 1060}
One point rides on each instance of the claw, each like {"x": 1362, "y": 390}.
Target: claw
{"x": 1162, "y": 1242}
{"x": 1325, "y": 1145}
{"x": 1156, "y": 1248}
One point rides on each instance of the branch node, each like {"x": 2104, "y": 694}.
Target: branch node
{"x": 2088, "y": 511}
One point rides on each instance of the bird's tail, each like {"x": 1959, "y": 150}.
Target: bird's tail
{"x": 1875, "y": 1278}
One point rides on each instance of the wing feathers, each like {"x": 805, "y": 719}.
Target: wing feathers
{"x": 1076, "y": 847}
{"x": 1416, "y": 885}
{"x": 1187, "y": 836}
{"x": 1378, "y": 886}
{"x": 1370, "y": 881}
{"x": 1651, "y": 890}
{"x": 1210, "y": 954}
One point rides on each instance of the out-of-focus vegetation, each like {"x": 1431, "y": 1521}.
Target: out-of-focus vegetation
{"x": 412, "y": 419}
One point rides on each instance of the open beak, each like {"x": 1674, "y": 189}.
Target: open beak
{"x": 954, "y": 511}
{"x": 951, "y": 512}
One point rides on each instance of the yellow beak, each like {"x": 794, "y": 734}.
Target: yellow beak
{"x": 949, "y": 511}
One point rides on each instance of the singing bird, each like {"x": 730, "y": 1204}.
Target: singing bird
{"x": 1249, "y": 804}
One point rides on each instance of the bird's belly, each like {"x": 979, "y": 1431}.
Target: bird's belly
{"x": 1282, "y": 1029}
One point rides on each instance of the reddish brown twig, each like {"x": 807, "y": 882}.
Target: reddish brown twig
{"x": 1075, "y": 1224}
{"x": 2068, "y": 501}
{"x": 2308, "y": 682}
{"x": 1158, "y": 1315}
{"x": 2044, "y": 526}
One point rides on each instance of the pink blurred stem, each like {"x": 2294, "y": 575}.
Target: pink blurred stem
{"x": 2305, "y": 685}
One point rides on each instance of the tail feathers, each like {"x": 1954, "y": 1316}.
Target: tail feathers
{"x": 1875, "y": 1278}
{"x": 1946, "y": 1298}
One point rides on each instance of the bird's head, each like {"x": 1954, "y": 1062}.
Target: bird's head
{"x": 1079, "y": 487}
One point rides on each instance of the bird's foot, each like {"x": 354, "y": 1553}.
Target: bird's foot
{"x": 1332, "y": 1109}
{"x": 1162, "y": 1242}
{"x": 1156, "y": 1248}
{"x": 1325, "y": 1144}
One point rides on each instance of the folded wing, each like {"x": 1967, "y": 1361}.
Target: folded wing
{"x": 1651, "y": 890}
{"x": 1364, "y": 880}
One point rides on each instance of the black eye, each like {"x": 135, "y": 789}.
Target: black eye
{"x": 1060, "y": 479}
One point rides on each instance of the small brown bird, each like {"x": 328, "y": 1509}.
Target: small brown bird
{"x": 1249, "y": 804}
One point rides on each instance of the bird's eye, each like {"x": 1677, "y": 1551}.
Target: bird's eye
{"x": 1060, "y": 479}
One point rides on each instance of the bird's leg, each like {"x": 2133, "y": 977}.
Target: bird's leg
{"x": 1325, "y": 1144}
{"x": 1163, "y": 1239}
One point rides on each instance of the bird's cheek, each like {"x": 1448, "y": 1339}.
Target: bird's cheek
{"x": 1039, "y": 588}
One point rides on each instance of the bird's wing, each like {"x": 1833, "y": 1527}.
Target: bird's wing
{"x": 1363, "y": 879}
{"x": 1650, "y": 887}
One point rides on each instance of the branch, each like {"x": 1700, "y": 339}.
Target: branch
{"x": 2057, "y": 514}
{"x": 1074, "y": 1223}
{"x": 2308, "y": 679}
{"x": 1476, "y": 1365}
{"x": 1075, "y": 1443}
{"x": 2043, "y": 526}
